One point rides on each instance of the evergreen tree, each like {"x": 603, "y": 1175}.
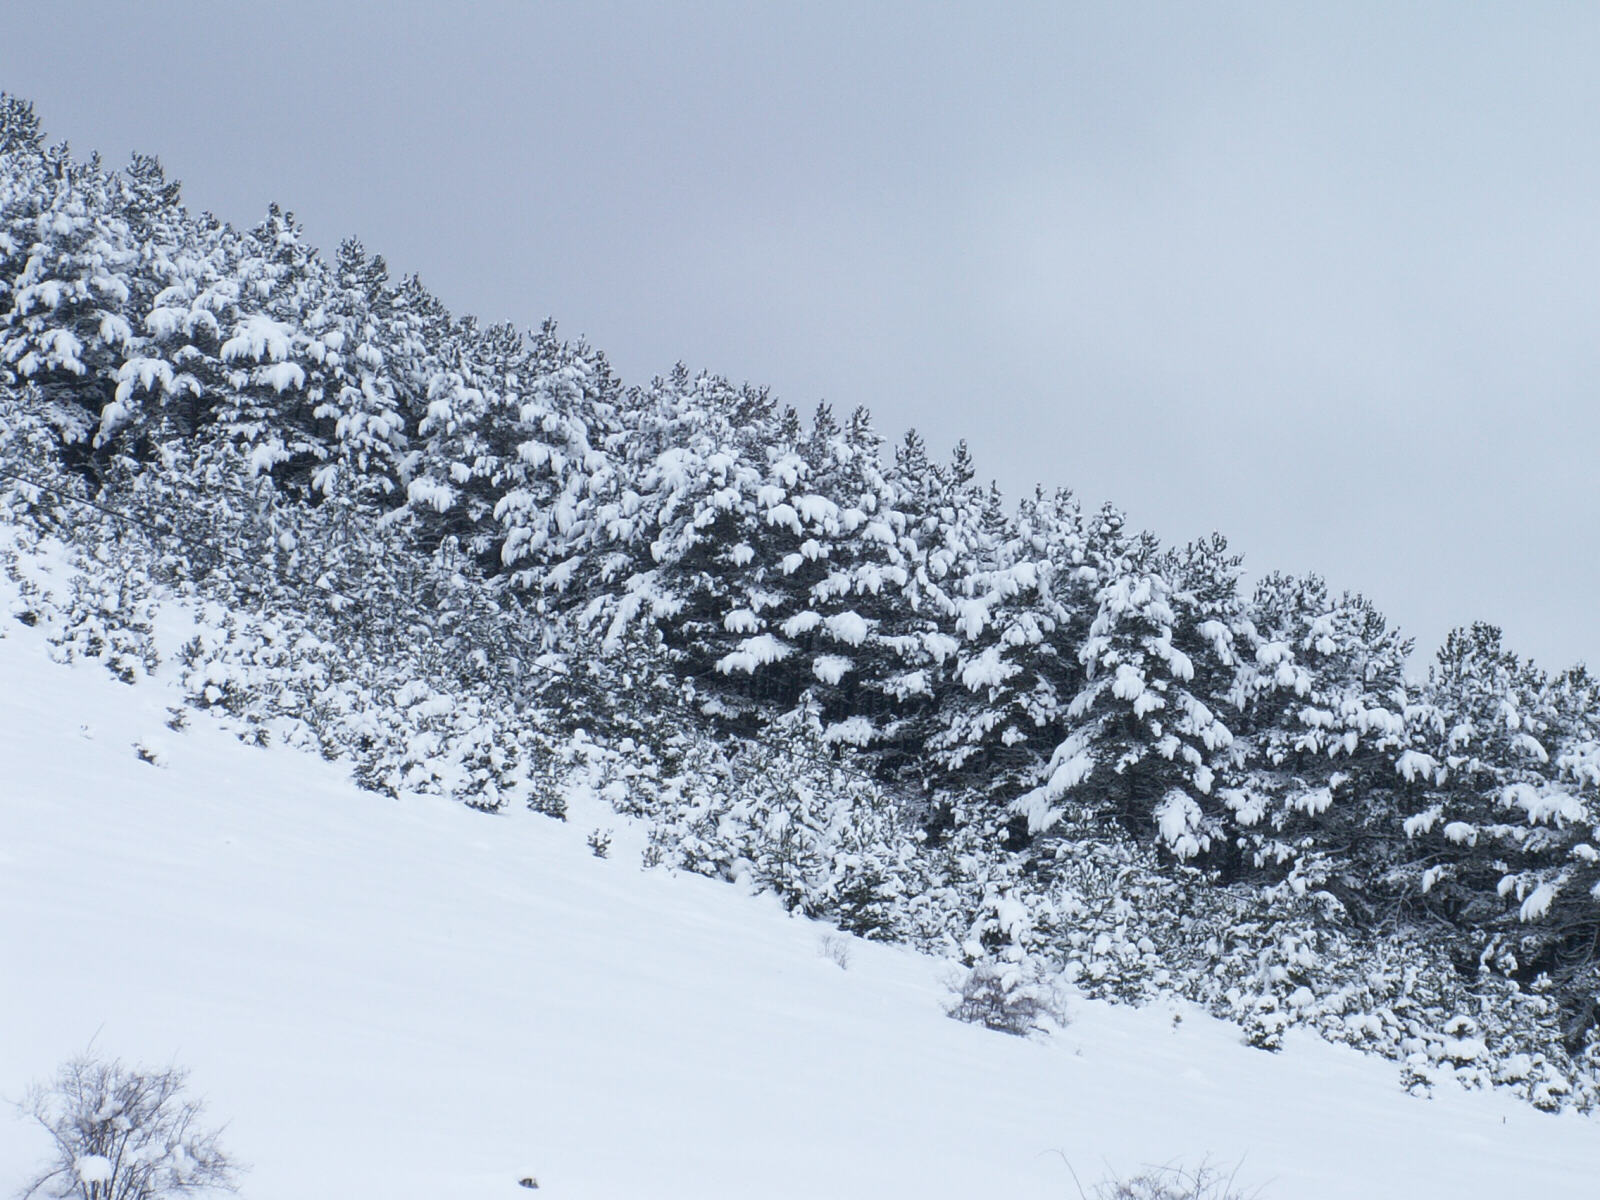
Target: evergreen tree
{"x": 278, "y": 357}
{"x": 1322, "y": 697}
{"x": 72, "y": 303}
{"x": 556, "y": 405}
{"x": 1146, "y": 745}
{"x": 1484, "y": 722}
{"x": 359, "y": 415}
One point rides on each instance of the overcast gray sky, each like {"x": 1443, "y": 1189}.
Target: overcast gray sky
{"x": 1322, "y": 278}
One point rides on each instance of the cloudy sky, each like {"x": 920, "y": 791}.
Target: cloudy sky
{"x": 1322, "y": 278}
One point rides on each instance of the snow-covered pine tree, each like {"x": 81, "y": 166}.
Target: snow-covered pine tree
{"x": 1322, "y": 698}
{"x": 553, "y": 413}
{"x": 359, "y": 416}
{"x": 910, "y": 622}
{"x": 466, "y": 434}
{"x": 20, "y": 132}
{"x": 418, "y": 331}
{"x": 276, "y": 365}
{"x": 168, "y": 391}
{"x": 847, "y": 583}
{"x": 983, "y": 595}
{"x": 68, "y": 321}
{"x": 1481, "y": 733}
{"x": 1557, "y": 889}
{"x": 1025, "y": 606}
{"x": 1145, "y": 744}
{"x": 24, "y": 171}
{"x": 1506, "y": 818}
{"x": 695, "y": 532}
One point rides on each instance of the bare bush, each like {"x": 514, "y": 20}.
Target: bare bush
{"x": 124, "y": 1133}
{"x": 835, "y": 949}
{"x": 1007, "y": 997}
{"x": 1172, "y": 1182}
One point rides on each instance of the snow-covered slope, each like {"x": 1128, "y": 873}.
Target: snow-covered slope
{"x": 415, "y": 1001}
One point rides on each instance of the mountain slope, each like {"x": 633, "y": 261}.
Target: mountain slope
{"x": 409, "y": 999}
{"x": 438, "y": 551}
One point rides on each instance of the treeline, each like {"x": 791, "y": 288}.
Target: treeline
{"x": 1019, "y": 677}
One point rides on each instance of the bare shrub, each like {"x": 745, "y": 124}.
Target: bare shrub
{"x": 124, "y": 1133}
{"x": 835, "y": 949}
{"x": 1007, "y": 997}
{"x": 1172, "y": 1182}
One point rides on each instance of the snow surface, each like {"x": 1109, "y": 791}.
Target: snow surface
{"x": 93, "y": 1168}
{"x": 412, "y": 1000}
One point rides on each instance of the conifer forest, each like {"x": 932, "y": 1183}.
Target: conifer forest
{"x": 1016, "y": 733}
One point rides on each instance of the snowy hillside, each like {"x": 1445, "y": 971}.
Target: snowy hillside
{"x": 409, "y": 999}
{"x": 470, "y": 561}
{"x": 338, "y": 629}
